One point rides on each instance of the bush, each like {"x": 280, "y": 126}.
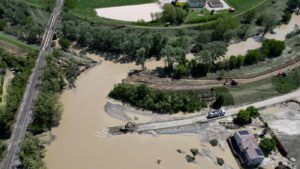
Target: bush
{"x": 194, "y": 151}
{"x": 220, "y": 161}
{"x": 267, "y": 145}
{"x": 64, "y": 43}
{"x": 253, "y": 57}
{"x": 190, "y": 158}
{"x": 243, "y": 118}
{"x": 214, "y": 142}
{"x": 253, "y": 111}
{"x": 286, "y": 17}
{"x": 273, "y": 48}
{"x": 31, "y": 153}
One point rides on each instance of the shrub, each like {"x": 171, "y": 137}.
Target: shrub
{"x": 214, "y": 142}
{"x": 253, "y": 57}
{"x": 243, "y": 117}
{"x": 267, "y": 145}
{"x": 253, "y": 111}
{"x": 272, "y": 48}
{"x": 65, "y": 43}
{"x": 194, "y": 151}
{"x": 220, "y": 161}
{"x": 190, "y": 158}
{"x": 286, "y": 17}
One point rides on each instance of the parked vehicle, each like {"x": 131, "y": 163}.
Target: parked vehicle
{"x": 216, "y": 113}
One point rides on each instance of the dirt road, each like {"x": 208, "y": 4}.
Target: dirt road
{"x": 192, "y": 84}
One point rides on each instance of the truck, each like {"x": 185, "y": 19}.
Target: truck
{"x": 216, "y": 113}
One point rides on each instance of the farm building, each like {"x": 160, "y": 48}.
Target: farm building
{"x": 215, "y": 4}
{"x": 250, "y": 152}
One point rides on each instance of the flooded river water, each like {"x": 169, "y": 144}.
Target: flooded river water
{"x": 80, "y": 143}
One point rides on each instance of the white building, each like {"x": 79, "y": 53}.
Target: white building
{"x": 251, "y": 153}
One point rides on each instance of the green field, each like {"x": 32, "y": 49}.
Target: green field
{"x": 243, "y": 5}
{"x": 14, "y": 41}
{"x": 251, "y": 92}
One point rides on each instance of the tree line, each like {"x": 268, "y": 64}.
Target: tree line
{"x": 133, "y": 44}
{"x": 22, "y": 67}
{"x": 162, "y": 102}
{"x": 204, "y": 61}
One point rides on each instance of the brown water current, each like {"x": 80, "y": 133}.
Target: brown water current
{"x": 81, "y": 145}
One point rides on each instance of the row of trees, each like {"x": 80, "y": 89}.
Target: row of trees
{"x": 31, "y": 153}
{"x": 270, "y": 49}
{"x": 162, "y": 102}
{"x": 133, "y": 44}
{"x": 47, "y": 109}
{"x": 173, "y": 14}
{"x": 22, "y": 67}
{"x": 177, "y": 66}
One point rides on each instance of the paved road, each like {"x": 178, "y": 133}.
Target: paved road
{"x": 229, "y": 112}
{"x": 24, "y": 111}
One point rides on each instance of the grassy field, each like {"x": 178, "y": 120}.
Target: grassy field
{"x": 243, "y": 5}
{"x": 251, "y": 92}
{"x": 14, "y": 41}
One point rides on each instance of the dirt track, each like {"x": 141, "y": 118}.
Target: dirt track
{"x": 192, "y": 84}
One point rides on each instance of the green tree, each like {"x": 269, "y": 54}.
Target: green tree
{"x": 181, "y": 14}
{"x": 169, "y": 13}
{"x": 243, "y": 117}
{"x": 46, "y": 112}
{"x": 64, "y": 43}
{"x": 267, "y": 145}
{"x": 31, "y": 153}
{"x": 141, "y": 58}
{"x": 253, "y": 56}
{"x": 273, "y": 48}
{"x": 181, "y": 70}
{"x": 293, "y": 4}
{"x": 269, "y": 23}
{"x": 253, "y": 111}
